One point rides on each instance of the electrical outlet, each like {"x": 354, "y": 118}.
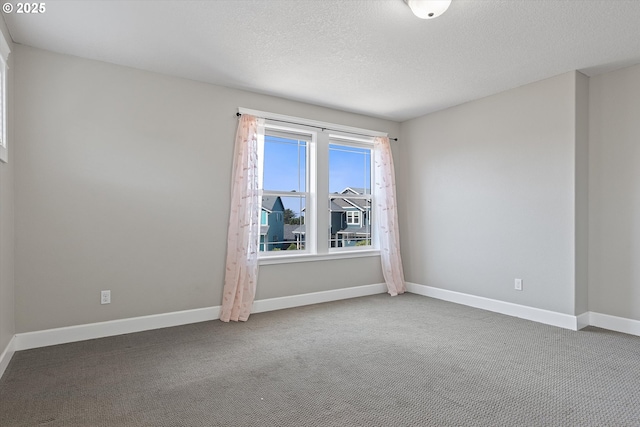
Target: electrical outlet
{"x": 105, "y": 297}
{"x": 518, "y": 285}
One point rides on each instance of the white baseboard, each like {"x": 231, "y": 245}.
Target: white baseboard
{"x": 89, "y": 331}
{"x": 271, "y": 304}
{"x": 584, "y": 320}
{"x": 614, "y": 323}
{"x": 547, "y": 317}
{"x": 68, "y": 334}
{"x": 6, "y": 355}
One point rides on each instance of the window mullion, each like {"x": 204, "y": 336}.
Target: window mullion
{"x": 322, "y": 191}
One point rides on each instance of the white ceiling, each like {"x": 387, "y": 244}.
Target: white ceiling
{"x": 365, "y": 56}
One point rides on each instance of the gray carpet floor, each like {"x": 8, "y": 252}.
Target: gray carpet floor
{"x": 372, "y": 361}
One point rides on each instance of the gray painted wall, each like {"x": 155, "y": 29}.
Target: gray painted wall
{"x": 122, "y": 182}
{"x": 614, "y": 193}
{"x": 121, "y": 177}
{"x": 487, "y": 195}
{"x": 7, "y": 325}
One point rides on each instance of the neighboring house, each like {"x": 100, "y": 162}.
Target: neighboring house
{"x": 350, "y": 220}
{"x": 290, "y": 236}
{"x": 298, "y": 235}
{"x": 271, "y": 223}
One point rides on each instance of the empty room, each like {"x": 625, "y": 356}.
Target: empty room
{"x": 320, "y": 213}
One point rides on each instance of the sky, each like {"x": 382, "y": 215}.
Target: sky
{"x": 285, "y": 168}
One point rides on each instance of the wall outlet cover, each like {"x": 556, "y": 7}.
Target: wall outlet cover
{"x": 518, "y": 285}
{"x": 105, "y": 297}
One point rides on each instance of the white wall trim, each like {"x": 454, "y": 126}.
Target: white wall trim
{"x": 68, "y": 334}
{"x": 547, "y": 317}
{"x": 317, "y": 297}
{"x": 583, "y": 320}
{"x": 28, "y": 340}
{"x": 6, "y": 355}
{"x": 566, "y": 321}
{"x": 90, "y": 331}
{"x": 614, "y": 323}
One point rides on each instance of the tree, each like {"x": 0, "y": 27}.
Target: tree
{"x": 290, "y": 217}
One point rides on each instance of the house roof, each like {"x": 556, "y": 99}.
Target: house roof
{"x": 268, "y": 202}
{"x": 355, "y": 190}
{"x": 344, "y": 204}
{"x": 335, "y": 207}
{"x": 288, "y": 231}
{"x": 350, "y": 203}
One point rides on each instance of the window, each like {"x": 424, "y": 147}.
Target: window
{"x": 353, "y": 218}
{"x": 284, "y": 184}
{"x": 4, "y": 56}
{"x": 304, "y": 168}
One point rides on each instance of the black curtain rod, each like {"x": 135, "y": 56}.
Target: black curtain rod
{"x": 317, "y": 127}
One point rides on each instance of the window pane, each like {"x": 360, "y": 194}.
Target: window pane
{"x": 349, "y": 168}
{"x": 285, "y": 164}
{"x": 282, "y": 226}
{"x": 350, "y": 198}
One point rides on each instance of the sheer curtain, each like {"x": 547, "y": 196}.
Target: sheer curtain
{"x": 387, "y": 216}
{"x": 244, "y": 224}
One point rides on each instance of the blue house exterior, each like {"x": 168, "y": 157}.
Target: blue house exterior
{"x": 271, "y": 224}
{"x": 350, "y": 219}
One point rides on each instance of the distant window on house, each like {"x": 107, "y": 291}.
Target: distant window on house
{"x": 353, "y": 218}
{"x": 4, "y": 57}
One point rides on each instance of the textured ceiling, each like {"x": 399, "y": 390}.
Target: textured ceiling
{"x": 366, "y": 56}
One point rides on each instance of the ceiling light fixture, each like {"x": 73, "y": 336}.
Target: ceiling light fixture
{"x": 428, "y": 9}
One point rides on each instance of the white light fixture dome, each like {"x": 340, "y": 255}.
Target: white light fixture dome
{"x": 428, "y": 9}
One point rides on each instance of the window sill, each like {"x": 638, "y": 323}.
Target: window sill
{"x": 316, "y": 257}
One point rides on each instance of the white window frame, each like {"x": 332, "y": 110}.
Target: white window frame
{"x": 358, "y": 142}
{"x": 310, "y": 181}
{"x": 317, "y": 215}
{"x": 4, "y": 59}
